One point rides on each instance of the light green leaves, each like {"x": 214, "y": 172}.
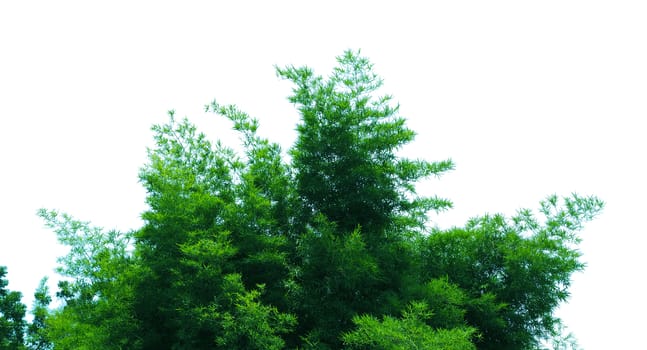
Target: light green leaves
{"x": 409, "y": 332}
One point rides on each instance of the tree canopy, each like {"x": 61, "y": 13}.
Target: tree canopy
{"x": 325, "y": 246}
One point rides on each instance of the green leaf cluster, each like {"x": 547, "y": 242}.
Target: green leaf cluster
{"x": 325, "y": 246}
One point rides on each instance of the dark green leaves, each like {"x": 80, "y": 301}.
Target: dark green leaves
{"x": 515, "y": 271}
{"x": 344, "y": 157}
{"x": 12, "y": 316}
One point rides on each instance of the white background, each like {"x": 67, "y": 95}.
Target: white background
{"x": 528, "y": 98}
